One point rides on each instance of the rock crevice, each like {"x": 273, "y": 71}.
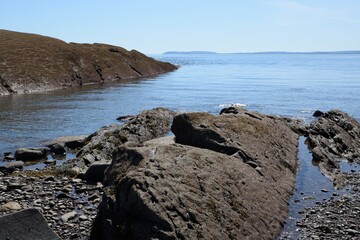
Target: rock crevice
{"x": 224, "y": 178}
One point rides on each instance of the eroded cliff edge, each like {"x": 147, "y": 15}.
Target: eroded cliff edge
{"x": 30, "y": 62}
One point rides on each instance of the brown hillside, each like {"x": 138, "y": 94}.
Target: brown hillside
{"x": 30, "y": 62}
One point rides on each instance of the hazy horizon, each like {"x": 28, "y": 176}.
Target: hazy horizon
{"x": 230, "y": 26}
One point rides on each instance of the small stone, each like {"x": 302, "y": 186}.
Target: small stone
{"x": 49, "y": 179}
{"x": 68, "y": 188}
{"x": 57, "y": 149}
{"x": 67, "y": 216}
{"x": 352, "y": 232}
{"x": 76, "y": 180}
{"x": 9, "y": 158}
{"x": 13, "y": 186}
{"x": 93, "y": 197}
{"x": 50, "y": 162}
{"x": 83, "y": 218}
{"x": 10, "y": 206}
{"x": 15, "y": 164}
{"x": 61, "y": 195}
{"x": 318, "y": 113}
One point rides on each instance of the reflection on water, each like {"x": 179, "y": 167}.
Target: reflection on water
{"x": 349, "y": 167}
{"x": 291, "y": 85}
{"x": 311, "y": 186}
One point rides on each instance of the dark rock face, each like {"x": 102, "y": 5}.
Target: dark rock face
{"x": 318, "y": 113}
{"x": 31, "y": 154}
{"x": 232, "y": 183}
{"x": 333, "y": 137}
{"x": 32, "y": 62}
{"x": 252, "y": 136}
{"x": 95, "y": 172}
{"x": 145, "y": 126}
{"x": 26, "y": 224}
{"x": 57, "y": 149}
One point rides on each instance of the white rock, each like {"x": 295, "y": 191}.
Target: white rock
{"x": 67, "y": 216}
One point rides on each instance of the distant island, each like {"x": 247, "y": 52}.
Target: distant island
{"x": 190, "y": 52}
{"x": 266, "y": 52}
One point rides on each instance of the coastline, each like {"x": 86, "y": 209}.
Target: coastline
{"x": 76, "y": 184}
{"x": 32, "y": 62}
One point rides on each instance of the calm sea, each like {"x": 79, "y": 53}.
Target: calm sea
{"x": 293, "y": 85}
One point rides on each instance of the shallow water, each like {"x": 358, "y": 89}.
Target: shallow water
{"x": 286, "y": 84}
{"x": 311, "y": 186}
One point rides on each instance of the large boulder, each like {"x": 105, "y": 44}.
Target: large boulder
{"x": 57, "y": 149}
{"x": 147, "y": 125}
{"x": 31, "y": 62}
{"x": 71, "y": 142}
{"x": 261, "y": 140}
{"x": 232, "y": 183}
{"x": 335, "y": 136}
{"x": 31, "y": 154}
{"x": 96, "y": 172}
{"x": 26, "y": 224}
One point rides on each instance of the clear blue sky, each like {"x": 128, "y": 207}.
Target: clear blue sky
{"x": 156, "y": 26}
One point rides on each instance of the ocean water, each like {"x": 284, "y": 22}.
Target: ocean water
{"x": 292, "y": 85}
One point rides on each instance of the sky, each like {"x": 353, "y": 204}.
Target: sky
{"x": 157, "y": 26}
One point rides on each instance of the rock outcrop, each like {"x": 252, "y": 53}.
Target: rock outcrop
{"x": 334, "y": 137}
{"x": 26, "y": 224}
{"x": 233, "y": 182}
{"x": 30, "y": 62}
{"x": 100, "y": 145}
{"x": 255, "y": 138}
{"x": 31, "y": 154}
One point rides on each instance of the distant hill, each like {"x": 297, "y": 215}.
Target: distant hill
{"x": 30, "y": 62}
{"x": 190, "y": 52}
{"x": 266, "y": 52}
{"x": 315, "y": 52}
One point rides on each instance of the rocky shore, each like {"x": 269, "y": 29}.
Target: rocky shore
{"x": 228, "y": 176}
{"x": 30, "y": 62}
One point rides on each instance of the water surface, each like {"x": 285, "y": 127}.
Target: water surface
{"x": 286, "y": 84}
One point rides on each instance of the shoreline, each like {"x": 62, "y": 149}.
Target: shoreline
{"x": 115, "y": 80}
{"x": 32, "y": 62}
{"x": 82, "y": 217}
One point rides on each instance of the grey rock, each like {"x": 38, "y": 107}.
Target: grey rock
{"x": 10, "y": 206}
{"x": 8, "y": 156}
{"x": 50, "y": 162}
{"x": 5, "y": 170}
{"x": 333, "y": 137}
{"x": 67, "y": 188}
{"x": 26, "y": 224}
{"x": 71, "y": 142}
{"x": 96, "y": 172}
{"x": 67, "y": 216}
{"x": 147, "y": 125}
{"x": 15, "y": 164}
{"x": 174, "y": 191}
{"x": 318, "y": 113}
{"x": 57, "y": 149}
{"x": 31, "y": 154}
